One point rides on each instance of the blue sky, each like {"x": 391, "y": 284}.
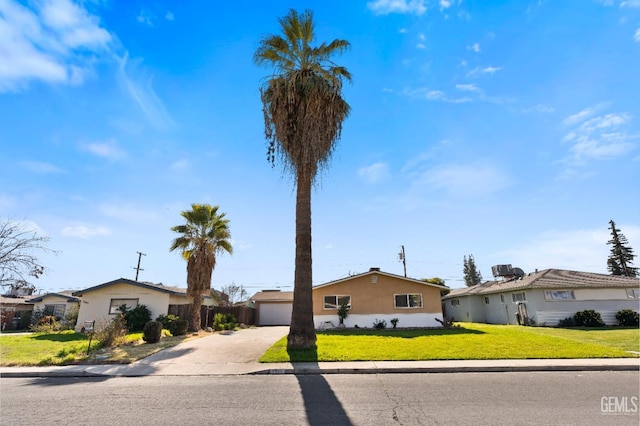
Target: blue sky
{"x": 509, "y": 130}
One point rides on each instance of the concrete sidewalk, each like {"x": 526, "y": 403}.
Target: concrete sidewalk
{"x": 236, "y": 353}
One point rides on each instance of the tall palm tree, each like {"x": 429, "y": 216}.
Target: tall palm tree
{"x": 303, "y": 114}
{"x": 204, "y": 236}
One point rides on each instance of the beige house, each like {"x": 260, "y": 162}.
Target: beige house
{"x": 371, "y": 296}
{"x": 56, "y": 304}
{"x": 101, "y": 302}
{"x": 543, "y": 298}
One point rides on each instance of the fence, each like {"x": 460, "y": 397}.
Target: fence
{"x": 243, "y": 314}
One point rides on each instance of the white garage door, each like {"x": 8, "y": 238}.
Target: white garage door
{"x": 275, "y": 313}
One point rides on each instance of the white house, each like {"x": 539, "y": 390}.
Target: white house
{"x": 543, "y": 298}
{"x": 100, "y": 303}
{"x": 56, "y": 304}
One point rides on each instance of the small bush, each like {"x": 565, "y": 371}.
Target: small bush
{"x": 394, "y": 322}
{"x": 152, "y": 331}
{"x": 380, "y": 324}
{"x": 567, "y": 322}
{"x": 224, "y": 322}
{"x": 166, "y": 320}
{"x": 628, "y": 318}
{"x": 588, "y": 318}
{"x": 178, "y": 327}
{"x": 137, "y": 317}
{"x": 113, "y": 333}
{"x": 47, "y": 324}
{"x": 71, "y": 317}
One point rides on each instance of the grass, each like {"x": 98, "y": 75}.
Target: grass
{"x": 69, "y": 347}
{"x": 469, "y": 341}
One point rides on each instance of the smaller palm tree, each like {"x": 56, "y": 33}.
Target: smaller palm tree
{"x": 204, "y": 236}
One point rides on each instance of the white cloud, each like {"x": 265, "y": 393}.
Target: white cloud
{"x": 53, "y": 42}
{"x": 445, "y": 4}
{"x": 486, "y": 70}
{"x": 169, "y": 16}
{"x": 145, "y": 17}
{"x": 375, "y": 173}
{"x": 636, "y": 37}
{"x": 542, "y": 108}
{"x": 594, "y": 137}
{"x": 432, "y": 95}
{"x": 421, "y": 46}
{"x": 139, "y": 85}
{"x": 468, "y": 87}
{"x": 84, "y": 232}
{"x": 465, "y": 180}
{"x": 630, "y": 3}
{"x": 109, "y": 150}
{"x": 475, "y": 47}
{"x": 385, "y": 7}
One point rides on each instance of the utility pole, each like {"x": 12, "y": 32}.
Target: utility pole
{"x": 403, "y": 259}
{"x": 138, "y": 269}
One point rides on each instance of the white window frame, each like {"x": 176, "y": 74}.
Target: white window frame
{"x": 559, "y": 295}
{"x": 338, "y": 299}
{"x": 409, "y": 299}
{"x": 117, "y": 302}
{"x": 519, "y": 297}
{"x": 633, "y": 293}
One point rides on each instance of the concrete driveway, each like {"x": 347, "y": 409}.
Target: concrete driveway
{"x": 231, "y": 352}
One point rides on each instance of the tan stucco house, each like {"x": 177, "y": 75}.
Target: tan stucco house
{"x": 373, "y": 295}
{"x": 543, "y": 298}
{"x": 100, "y": 303}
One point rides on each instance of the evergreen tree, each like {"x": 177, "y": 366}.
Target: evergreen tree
{"x": 621, "y": 257}
{"x": 471, "y": 274}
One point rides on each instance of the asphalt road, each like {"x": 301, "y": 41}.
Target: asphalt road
{"x": 602, "y": 398}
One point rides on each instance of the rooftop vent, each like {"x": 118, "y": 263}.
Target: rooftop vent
{"x": 374, "y": 269}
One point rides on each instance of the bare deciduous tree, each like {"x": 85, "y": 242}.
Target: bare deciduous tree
{"x": 18, "y": 260}
{"x": 236, "y": 293}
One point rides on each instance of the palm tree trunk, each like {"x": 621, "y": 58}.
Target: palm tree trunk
{"x": 195, "y": 313}
{"x": 302, "y": 333}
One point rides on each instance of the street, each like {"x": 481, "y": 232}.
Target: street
{"x": 360, "y": 399}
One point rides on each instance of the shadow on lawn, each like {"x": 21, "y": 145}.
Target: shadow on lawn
{"x": 60, "y": 337}
{"x": 399, "y": 332}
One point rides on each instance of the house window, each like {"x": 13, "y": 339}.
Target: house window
{"x": 559, "y": 295}
{"x": 408, "y": 300}
{"x": 486, "y": 300}
{"x": 518, "y": 297}
{"x": 455, "y": 302}
{"x": 633, "y": 293}
{"x": 116, "y": 303}
{"x": 502, "y": 298}
{"x": 333, "y": 302}
{"x": 54, "y": 310}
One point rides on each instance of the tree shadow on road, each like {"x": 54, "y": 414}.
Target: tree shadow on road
{"x": 320, "y": 402}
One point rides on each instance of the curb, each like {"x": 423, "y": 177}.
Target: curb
{"x": 436, "y": 370}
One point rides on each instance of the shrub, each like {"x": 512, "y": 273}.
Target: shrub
{"x": 178, "y": 327}
{"x": 343, "y": 312}
{"x": 71, "y": 316}
{"x": 113, "y": 333}
{"x": 152, "y": 331}
{"x": 224, "y": 322}
{"x": 166, "y": 320}
{"x": 588, "y": 318}
{"x": 379, "y": 324}
{"x": 567, "y": 322}
{"x": 137, "y": 317}
{"x": 394, "y": 322}
{"x": 628, "y": 318}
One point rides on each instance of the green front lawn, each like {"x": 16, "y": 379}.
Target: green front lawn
{"x": 469, "y": 341}
{"x": 69, "y": 347}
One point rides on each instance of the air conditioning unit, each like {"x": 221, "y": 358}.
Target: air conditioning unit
{"x": 502, "y": 270}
